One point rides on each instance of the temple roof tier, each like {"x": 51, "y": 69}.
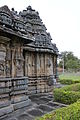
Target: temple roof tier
{"x": 26, "y": 25}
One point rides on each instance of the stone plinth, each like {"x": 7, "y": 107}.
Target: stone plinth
{"x": 13, "y": 94}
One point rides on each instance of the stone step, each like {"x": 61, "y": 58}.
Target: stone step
{"x": 40, "y": 104}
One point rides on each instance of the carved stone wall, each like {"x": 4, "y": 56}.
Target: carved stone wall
{"x": 29, "y": 64}
{"x": 39, "y": 67}
{"x": 11, "y": 59}
{"x": 3, "y": 54}
{"x": 13, "y": 84}
{"x": 26, "y": 52}
{"x": 2, "y": 60}
{"x": 38, "y": 64}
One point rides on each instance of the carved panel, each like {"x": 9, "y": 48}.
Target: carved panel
{"x": 2, "y": 60}
{"x": 49, "y": 65}
{"x": 2, "y": 69}
{"x": 17, "y": 60}
{"x": 8, "y": 68}
{"x": 2, "y": 55}
{"x": 19, "y": 68}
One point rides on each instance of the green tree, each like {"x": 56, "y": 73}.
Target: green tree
{"x": 69, "y": 61}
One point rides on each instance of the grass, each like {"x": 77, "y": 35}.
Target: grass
{"x": 69, "y": 78}
{"x": 74, "y": 76}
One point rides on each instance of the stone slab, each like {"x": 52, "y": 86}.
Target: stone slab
{"x": 6, "y": 110}
{"x": 38, "y": 101}
{"x": 13, "y": 119}
{"x": 4, "y": 104}
{"x": 21, "y": 104}
{"x": 56, "y": 104}
{"x": 52, "y": 104}
{"x": 45, "y": 108}
{"x": 25, "y": 117}
{"x": 35, "y": 112}
{"x": 45, "y": 99}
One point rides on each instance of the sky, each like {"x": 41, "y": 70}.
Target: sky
{"x": 61, "y": 18}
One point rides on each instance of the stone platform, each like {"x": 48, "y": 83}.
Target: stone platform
{"x": 40, "y": 104}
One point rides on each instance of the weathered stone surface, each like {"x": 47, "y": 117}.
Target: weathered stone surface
{"x": 19, "y": 99}
{"x": 13, "y": 119}
{"x": 28, "y": 58}
{"x": 45, "y": 108}
{"x": 25, "y": 117}
{"x": 6, "y": 110}
{"x": 38, "y": 64}
{"x": 4, "y": 103}
{"x": 45, "y": 99}
{"x": 35, "y": 112}
{"x": 21, "y": 104}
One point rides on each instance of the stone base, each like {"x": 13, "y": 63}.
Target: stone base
{"x": 9, "y": 109}
{"x": 6, "y": 110}
{"x": 40, "y": 84}
{"x": 21, "y": 104}
{"x": 4, "y": 104}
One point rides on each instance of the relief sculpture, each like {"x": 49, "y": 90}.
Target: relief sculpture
{"x": 1, "y": 69}
{"x": 26, "y": 49}
{"x": 19, "y": 67}
{"x": 8, "y": 69}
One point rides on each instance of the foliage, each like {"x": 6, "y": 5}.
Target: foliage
{"x": 72, "y": 112}
{"x": 68, "y": 94}
{"x": 70, "y": 61}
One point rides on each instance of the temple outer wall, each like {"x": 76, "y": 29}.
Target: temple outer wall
{"x": 40, "y": 67}
{"x": 13, "y": 84}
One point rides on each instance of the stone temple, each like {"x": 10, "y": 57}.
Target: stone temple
{"x": 28, "y": 58}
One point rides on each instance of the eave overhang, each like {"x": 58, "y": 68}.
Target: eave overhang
{"x": 6, "y": 32}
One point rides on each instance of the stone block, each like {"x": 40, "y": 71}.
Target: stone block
{"x": 6, "y": 110}
{"x": 19, "y": 99}
{"x": 4, "y": 104}
{"x": 21, "y": 104}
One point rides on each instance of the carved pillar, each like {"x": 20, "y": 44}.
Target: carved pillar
{"x": 55, "y": 65}
{"x": 42, "y": 69}
{"x": 17, "y": 60}
{"x": 48, "y": 65}
{"x": 33, "y": 64}
{"x": 2, "y": 59}
{"x": 8, "y": 61}
{"x": 29, "y": 64}
{"x": 13, "y": 63}
{"x": 51, "y": 65}
{"x": 26, "y": 63}
{"x": 38, "y": 62}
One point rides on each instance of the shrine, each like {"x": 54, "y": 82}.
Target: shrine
{"x": 28, "y": 58}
